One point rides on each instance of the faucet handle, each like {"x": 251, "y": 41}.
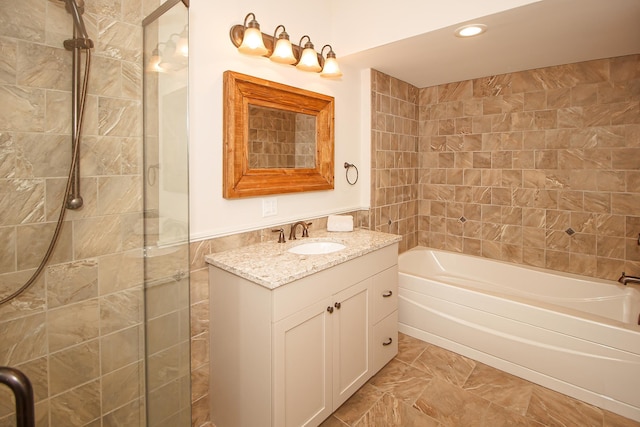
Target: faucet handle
{"x": 281, "y": 238}
{"x": 305, "y": 230}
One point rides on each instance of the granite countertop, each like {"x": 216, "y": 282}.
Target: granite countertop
{"x": 270, "y": 265}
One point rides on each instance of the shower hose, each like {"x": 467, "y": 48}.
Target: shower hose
{"x": 63, "y": 209}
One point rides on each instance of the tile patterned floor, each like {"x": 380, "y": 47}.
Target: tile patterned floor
{"x": 427, "y": 386}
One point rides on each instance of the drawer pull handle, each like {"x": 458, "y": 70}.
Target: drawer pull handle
{"x": 387, "y": 294}
{"x": 388, "y": 342}
{"x": 330, "y": 309}
{"x": 337, "y": 305}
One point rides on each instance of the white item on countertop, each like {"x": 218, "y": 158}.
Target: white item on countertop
{"x": 340, "y": 223}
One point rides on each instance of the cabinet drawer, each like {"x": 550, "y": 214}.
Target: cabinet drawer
{"x": 385, "y": 293}
{"x": 385, "y": 341}
{"x": 301, "y": 293}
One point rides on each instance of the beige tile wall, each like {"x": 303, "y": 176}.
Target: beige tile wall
{"x": 507, "y": 164}
{"x": 394, "y": 157}
{"x": 510, "y": 163}
{"x": 78, "y": 332}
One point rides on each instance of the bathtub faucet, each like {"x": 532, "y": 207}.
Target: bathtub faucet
{"x": 624, "y": 279}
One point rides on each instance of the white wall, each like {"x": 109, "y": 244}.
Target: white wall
{"x": 212, "y": 53}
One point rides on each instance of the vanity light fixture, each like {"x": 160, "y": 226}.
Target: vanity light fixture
{"x": 250, "y": 40}
{"x": 470, "y": 30}
{"x": 331, "y": 68}
{"x": 282, "y": 51}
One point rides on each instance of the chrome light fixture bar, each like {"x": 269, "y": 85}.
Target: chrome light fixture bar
{"x": 251, "y": 41}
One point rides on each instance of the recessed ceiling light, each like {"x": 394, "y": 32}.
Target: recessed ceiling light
{"x": 471, "y": 30}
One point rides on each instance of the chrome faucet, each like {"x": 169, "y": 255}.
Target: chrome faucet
{"x": 624, "y": 279}
{"x": 305, "y": 229}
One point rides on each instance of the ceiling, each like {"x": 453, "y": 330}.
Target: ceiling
{"x": 541, "y": 34}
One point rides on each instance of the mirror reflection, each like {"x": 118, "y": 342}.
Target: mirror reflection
{"x": 280, "y": 138}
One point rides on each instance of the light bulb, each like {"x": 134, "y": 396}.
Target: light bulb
{"x": 470, "y": 30}
{"x": 309, "y": 57}
{"x": 283, "y": 52}
{"x": 252, "y": 43}
{"x": 331, "y": 68}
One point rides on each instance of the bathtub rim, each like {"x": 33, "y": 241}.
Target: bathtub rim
{"x": 582, "y": 315}
{"x": 514, "y": 264}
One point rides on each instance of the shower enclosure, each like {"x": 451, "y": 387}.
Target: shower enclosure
{"x": 103, "y": 332}
{"x": 166, "y": 214}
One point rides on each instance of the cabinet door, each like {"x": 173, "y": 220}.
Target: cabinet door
{"x": 351, "y": 337}
{"x": 302, "y": 348}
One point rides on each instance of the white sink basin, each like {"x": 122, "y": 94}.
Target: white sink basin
{"x": 317, "y": 248}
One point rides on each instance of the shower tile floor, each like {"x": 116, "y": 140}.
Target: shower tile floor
{"x": 428, "y": 386}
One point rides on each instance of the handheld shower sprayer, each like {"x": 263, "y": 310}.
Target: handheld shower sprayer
{"x": 82, "y": 41}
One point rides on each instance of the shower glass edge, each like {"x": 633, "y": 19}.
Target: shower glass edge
{"x": 166, "y": 217}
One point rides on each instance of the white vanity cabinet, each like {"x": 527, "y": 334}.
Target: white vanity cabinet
{"x": 290, "y": 356}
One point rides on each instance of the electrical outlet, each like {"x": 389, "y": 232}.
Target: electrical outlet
{"x": 269, "y": 207}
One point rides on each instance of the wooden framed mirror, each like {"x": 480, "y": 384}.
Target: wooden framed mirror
{"x": 277, "y": 138}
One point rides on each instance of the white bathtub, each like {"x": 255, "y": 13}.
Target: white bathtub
{"x": 573, "y": 334}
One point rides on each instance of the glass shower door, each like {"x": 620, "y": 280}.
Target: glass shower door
{"x": 166, "y": 216}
